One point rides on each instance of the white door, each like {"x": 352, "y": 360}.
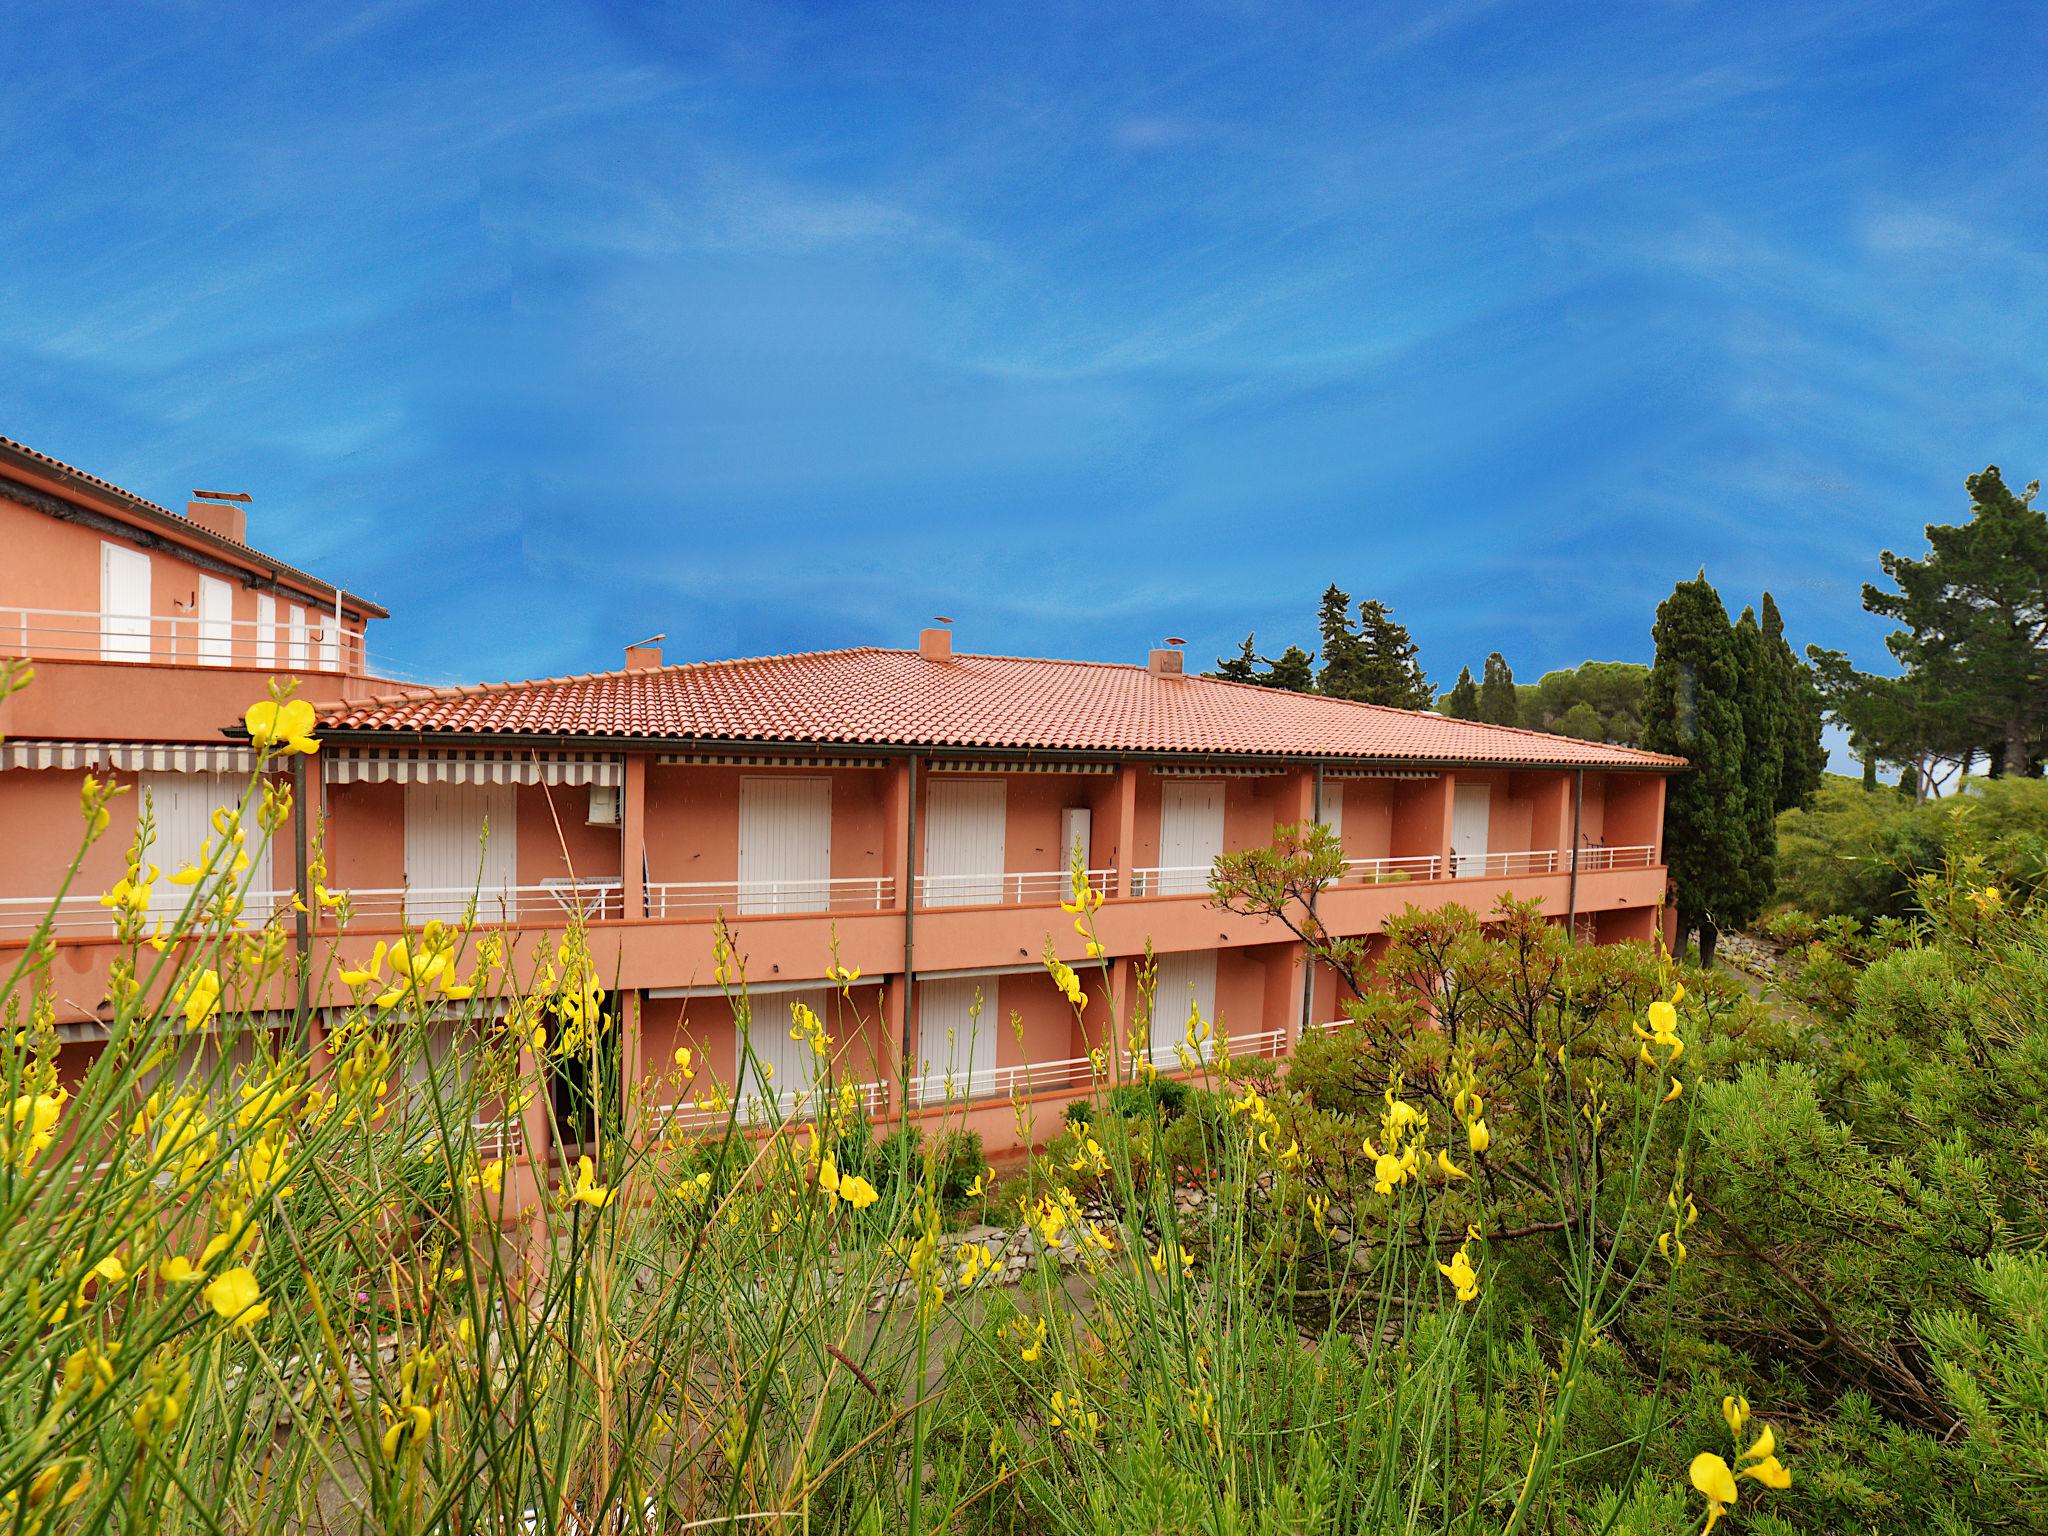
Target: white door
{"x": 1186, "y": 984}
{"x": 1471, "y": 812}
{"x": 1333, "y": 811}
{"x": 963, "y": 842}
{"x": 1190, "y": 834}
{"x": 124, "y": 603}
{"x": 330, "y": 642}
{"x": 446, "y": 861}
{"x": 785, "y": 845}
{"x": 266, "y": 630}
{"x": 216, "y": 622}
{"x": 296, "y": 657}
{"x": 956, "y": 1037}
{"x": 181, "y": 807}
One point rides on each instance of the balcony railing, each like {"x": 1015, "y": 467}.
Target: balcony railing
{"x": 550, "y": 901}
{"x": 82, "y": 917}
{"x": 704, "y": 898}
{"x": 704, "y": 1112}
{"x": 1390, "y": 871}
{"x": 1630, "y": 856}
{"x": 1171, "y": 880}
{"x": 1014, "y": 889}
{"x": 1528, "y": 861}
{"x": 317, "y": 644}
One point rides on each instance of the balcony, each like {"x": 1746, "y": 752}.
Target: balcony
{"x": 314, "y": 644}
{"x": 551, "y": 902}
{"x": 83, "y": 917}
{"x": 709, "y": 898}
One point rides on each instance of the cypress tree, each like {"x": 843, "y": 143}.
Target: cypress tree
{"x": 1498, "y": 704}
{"x": 1803, "y": 756}
{"x": 1462, "y": 702}
{"x": 1761, "y": 695}
{"x": 1388, "y": 672}
{"x": 1690, "y": 707}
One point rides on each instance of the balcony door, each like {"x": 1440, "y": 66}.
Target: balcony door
{"x": 444, "y": 860}
{"x": 124, "y": 603}
{"x": 785, "y": 844}
{"x": 216, "y": 622}
{"x": 181, "y": 806}
{"x": 1190, "y": 834}
{"x": 953, "y": 1042}
{"x": 964, "y": 828}
{"x": 791, "y": 1066}
{"x": 1186, "y": 982}
{"x": 1471, "y": 825}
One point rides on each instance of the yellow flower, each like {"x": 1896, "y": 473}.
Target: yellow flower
{"x": 1716, "y": 1484}
{"x": 588, "y": 1191}
{"x": 1762, "y": 1462}
{"x": 1672, "y": 1247}
{"x": 407, "y": 1429}
{"x": 92, "y": 804}
{"x": 684, "y": 1056}
{"x": 491, "y": 1177}
{"x": 1675, "y": 1090}
{"x": 1463, "y": 1277}
{"x": 1735, "y": 1410}
{"x": 373, "y": 972}
{"x": 287, "y": 727}
{"x": 1479, "y": 1137}
{"x": 1446, "y": 1167}
{"x": 1073, "y": 1416}
{"x": 179, "y": 1270}
{"x": 236, "y": 1298}
{"x": 1030, "y": 1352}
{"x": 841, "y": 975}
{"x": 199, "y": 996}
{"x": 857, "y": 1192}
{"x": 37, "y": 1114}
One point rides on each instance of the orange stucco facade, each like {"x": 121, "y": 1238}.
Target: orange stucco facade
{"x": 661, "y": 844}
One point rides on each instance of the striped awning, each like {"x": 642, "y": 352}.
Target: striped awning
{"x": 1381, "y": 773}
{"x": 128, "y": 756}
{"x": 1017, "y": 765}
{"x": 406, "y": 765}
{"x": 1197, "y": 771}
{"x": 762, "y": 760}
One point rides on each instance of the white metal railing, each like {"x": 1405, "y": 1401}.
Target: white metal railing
{"x": 1000, "y": 1082}
{"x": 1391, "y": 870}
{"x": 312, "y": 643}
{"x": 703, "y": 1111}
{"x": 83, "y": 917}
{"x": 1171, "y": 880}
{"x": 1628, "y": 856}
{"x": 702, "y": 898}
{"x": 1528, "y": 861}
{"x": 1011, "y": 889}
{"x": 550, "y": 901}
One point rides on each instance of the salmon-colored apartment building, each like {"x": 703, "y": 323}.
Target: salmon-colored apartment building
{"x": 908, "y": 813}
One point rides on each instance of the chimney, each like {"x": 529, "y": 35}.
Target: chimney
{"x": 645, "y": 655}
{"x": 223, "y": 513}
{"x": 1164, "y": 663}
{"x": 935, "y": 644}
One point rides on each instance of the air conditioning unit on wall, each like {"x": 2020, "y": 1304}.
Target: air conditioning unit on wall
{"x": 605, "y": 806}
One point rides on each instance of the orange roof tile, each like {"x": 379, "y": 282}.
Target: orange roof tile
{"x": 873, "y": 697}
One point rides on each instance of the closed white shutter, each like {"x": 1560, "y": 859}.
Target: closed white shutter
{"x": 1186, "y": 982}
{"x": 793, "y": 1065}
{"x": 124, "y": 603}
{"x": 964, "y": 842}
{"x": 296, "y": 656}
{"x": 1190, "y": 834}
{"x": 1333, "y": 811}
{"x": 1471, "y": 814}
{"x": 216, "y": 622}
{"x": 955, "y": 1047}
{"x": 330, "y": 642}
{"x": 181, "y": 807}
{"x": 266, "y": 630}
{"x": 443, "y": 823}
{"x": 785, "y": 844}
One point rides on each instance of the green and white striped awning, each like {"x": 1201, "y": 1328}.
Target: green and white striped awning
{"x": 128, "y": 756}
{"x": 424, "y": 765}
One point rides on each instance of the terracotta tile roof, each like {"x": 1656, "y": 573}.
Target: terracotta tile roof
{"x": 873, "y": 697}
{"x": 150, "y": 515}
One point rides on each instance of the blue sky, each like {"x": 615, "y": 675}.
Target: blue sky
{"x": 780, "y": 327}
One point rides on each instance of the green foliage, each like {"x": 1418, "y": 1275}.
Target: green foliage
{"x": 1462, "y": 702}
{"x": 1292, "y": 670}
{"x": 1594, "y": 701}
{"x": 1760, "y": 695}
{"x": 1857, "y": 852}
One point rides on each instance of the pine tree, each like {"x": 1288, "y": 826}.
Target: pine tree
{"x": 1388, "y": 672}
{"x": 1690, "y": 708}
{"x": 1497, "y": 702}
{"x": 1342, "y": 652}
{"x": 1241, "y": 668}
{"x": 1293, "y": 669}
{"x": 1804, "y": 756}
{"x": 1462, "y": 702}
{"x": 1760, "y": 693}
